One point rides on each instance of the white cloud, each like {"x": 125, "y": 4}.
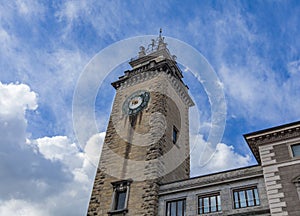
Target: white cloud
{"x": 30, "y": 8}
{"x": 246, "y": 59}
{"x": 256, "y": 93}
{"x": 206, "y": 158}
{"x": 15, "y": 16}
{"x": 16, "y": 98}
{"x": 108, "y": 18}
{"x": 56, "y": 148}
{"x": 21, "y": 208}
{"x": 5, "y": 39}
{"x": 38, "y": 58}
{"x": 82, "y": 165}
{"x": 294, "y": 67}
{"x": 242, "y": 57}
{"x": 19, "y": 179}
{"x": 72, "y": 10}
{"x": 40, "y": 177}
{"x": 93, "y": 148}
{"x": 226, "y": 158}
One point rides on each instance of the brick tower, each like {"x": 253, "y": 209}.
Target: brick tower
{"x": 147, "y": 138}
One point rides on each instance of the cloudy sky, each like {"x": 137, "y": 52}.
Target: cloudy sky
{"x": 252, "y": 46}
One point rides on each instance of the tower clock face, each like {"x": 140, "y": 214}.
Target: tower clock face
{"x": 136, "y": 102}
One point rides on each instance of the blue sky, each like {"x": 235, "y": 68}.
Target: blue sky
{"x": 252, "y": 46}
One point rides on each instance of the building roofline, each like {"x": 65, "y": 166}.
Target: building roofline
{"x": 272, "y": 129}
{"x": 224, "y": 177}
{"x": 212, "y": 174}
{"x": 271, "y": 135}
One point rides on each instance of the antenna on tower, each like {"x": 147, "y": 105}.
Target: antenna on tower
{"x": 160, "y": 31}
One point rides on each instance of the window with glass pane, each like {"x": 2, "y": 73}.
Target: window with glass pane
{"x": 296, "y": 150}
{"x": 120, "y": 200}
{"x": 175, "y": 134}
{"x": 209, "y": 203}
{"x": 120, "y": 196}
{"x": 246, "y": 197}
{"x": 175, "y": 208}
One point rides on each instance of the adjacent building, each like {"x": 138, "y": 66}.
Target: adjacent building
{"x": 270, "y": 188}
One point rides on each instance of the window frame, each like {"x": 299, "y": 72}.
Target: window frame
{"x": 118, "y": 188}
{"x": 255, "y": 197}
{"x": 218, "y": 206}
{"x": 120, "y": 199}
{"x": 183, "y": 213}
{"x": 176, "y": 132}
{"x": 292, "y": 150}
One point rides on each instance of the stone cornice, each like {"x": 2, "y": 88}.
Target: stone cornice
{"x": 166, "y": 65}
{"x": 212, "y": 179}
{"x": 151, "y": 70}
{"x": 271, "y": 135}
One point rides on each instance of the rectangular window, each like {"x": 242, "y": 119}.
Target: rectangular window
{"x": 120, "y": 197}
{"x": 209, "y": 203}
{"x": 175, "y": 134}
{"x": 120, "y": 200}
{"x": 246, "y": 197}
{"x": 175, "y": 208}
{"x": 296, "y": 150}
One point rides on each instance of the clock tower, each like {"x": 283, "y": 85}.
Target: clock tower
{"x": 147, "y": 138}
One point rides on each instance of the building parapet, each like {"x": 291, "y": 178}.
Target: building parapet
{"x": 212, "y": 179}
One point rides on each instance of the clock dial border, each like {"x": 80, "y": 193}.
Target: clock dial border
{"x": 129, "y": 109}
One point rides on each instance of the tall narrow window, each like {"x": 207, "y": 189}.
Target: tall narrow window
{"x": 246, "y": 197}
{"x": 175, "y": 134}
{"x": 296, "y": 150}
{"x": 209, "y": 203}
{"x": 120, "y": 197}
{"x": 175, "y": 208}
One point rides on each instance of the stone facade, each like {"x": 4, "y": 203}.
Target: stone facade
{"x": 280, "y": 168}
{"x": 140, "y": 147}
{"x": 277, "y": 178}
{"x": 223, "y": 183}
